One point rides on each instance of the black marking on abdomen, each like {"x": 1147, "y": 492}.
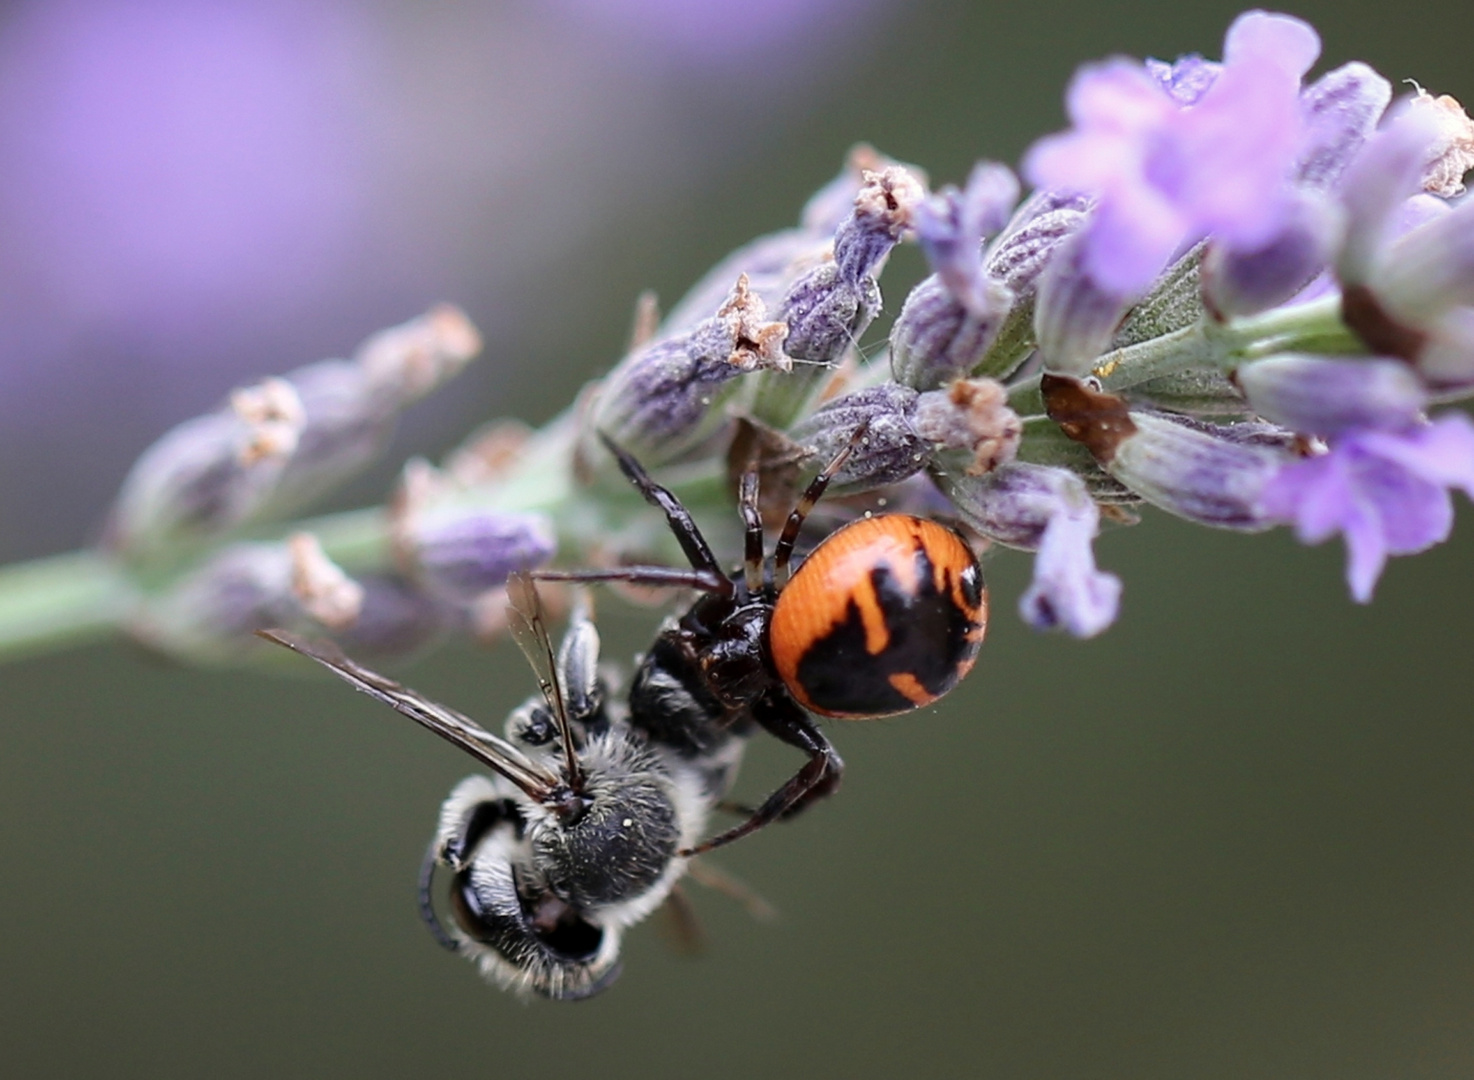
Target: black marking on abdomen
{"x": 927, "y": 640}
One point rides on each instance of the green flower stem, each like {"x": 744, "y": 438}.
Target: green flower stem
{"x": 1315, "y": 327}
{"x": 59, "y": 602}
{"x": 51, "y": 604}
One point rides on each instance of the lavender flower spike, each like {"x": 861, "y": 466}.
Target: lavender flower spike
{"x": 1164, "y": 174}
{"x": 1385, "y": 492}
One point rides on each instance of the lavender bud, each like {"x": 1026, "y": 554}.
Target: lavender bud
{"x": 1316, "y": 395}
{"x": 834, "y": 202}
{"x": 950, "y": 319}
{"x": 210, "y": 615}
{"x": 1074, "y": 318}
{"x": 276, "y": 446}
{"x": 208, "y": 474}
{"x": 936, "y": 339}
{"x": 951, "y": 226}
{"x": 826, "y": 314}
{"x": 457, "y": 547}
{"x": 829, "y": 307}
{"x": 891, "y": 448}
{"x": 1431, "y": 269}
{"x": 410, "y": 360}
{"x": 1019, "y": 255}
{"x": 347, "y": 421}
{"x": 1015, "y": 502}
{"x": 774, "y": 262}
{"x": 1193, "y": 473}
{"x": 1208, "y": 474}
{"x": 968, "y": 427}
{"x": 1017, "y": 259}
{"x": 1341, "y": 111}
{"x": 662, "y": 399}
{"x": 884, "y": 209}
{"x": 1239, "y": 282}
{"x": 1383, "y": 176}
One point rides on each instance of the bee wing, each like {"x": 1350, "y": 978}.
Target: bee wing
{"x": 530, "y": 631}
{"x": 460, "y": 730}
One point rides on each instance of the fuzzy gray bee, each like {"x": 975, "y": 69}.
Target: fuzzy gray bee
{"x": 579, "y": 832}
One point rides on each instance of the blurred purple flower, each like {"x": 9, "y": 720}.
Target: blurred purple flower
{"x": 1165, "y": 174}
{"x": 757, "y": 33}
{"x": 161, "y": 151}
{"x": 1386, "y": 493}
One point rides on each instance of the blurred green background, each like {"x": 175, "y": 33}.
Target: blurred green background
{"x": 1233, "y": 837}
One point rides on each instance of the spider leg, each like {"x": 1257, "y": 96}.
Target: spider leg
{"x": 819, "y": 777}
{"x": 752, "y": 519}
{"x": 671, "y": 576}
{"x": 698, "y": 551}
{"x": 783, "y": 552}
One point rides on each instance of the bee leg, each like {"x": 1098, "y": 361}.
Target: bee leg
{"x": 714, "y": 877}
{"x": 426, "y": 899}
{"x": 819, "y": 777}
{"x": 680, "y": 923}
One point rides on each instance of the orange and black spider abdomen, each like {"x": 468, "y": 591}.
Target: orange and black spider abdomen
{"x": 886, "y": 615}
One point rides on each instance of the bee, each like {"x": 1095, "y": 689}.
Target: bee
{"x": 597, "y": 804}
{"x": 574, "y": 837}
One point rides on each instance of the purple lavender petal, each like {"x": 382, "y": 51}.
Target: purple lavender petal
{"x": 1319, "y": 395}
{"x": 1342, "y": 108}
{"x": 1386, "y": 493}
{"x": 1068, "y": 592}
{"x": 1248, "y": 280}
{"x": 1441, "y": 452}
{"x": 1165, "y": 174}
{"x": 1290, "y": 43}
{"x": 1385, "y": 174}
